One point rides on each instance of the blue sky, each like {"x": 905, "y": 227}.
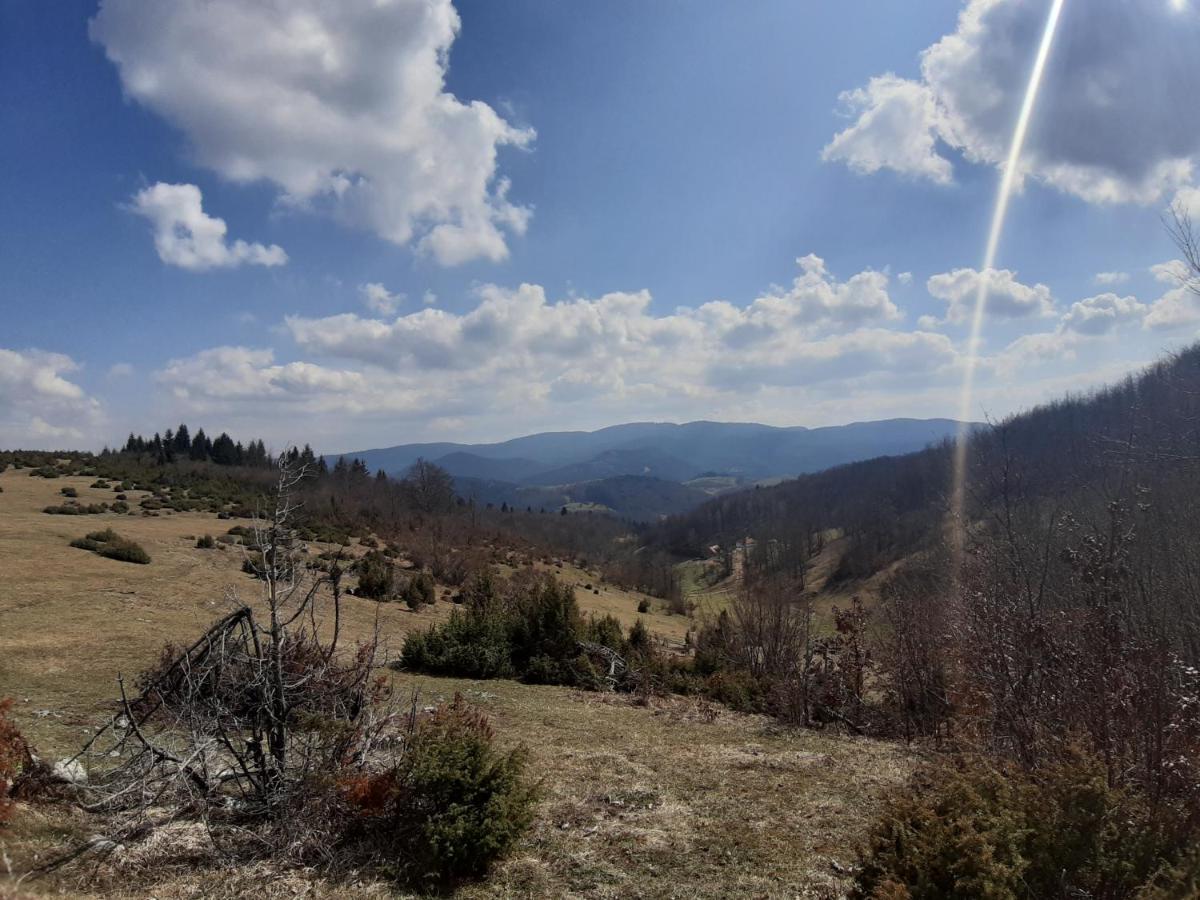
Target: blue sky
{"x": 473, "y": 221}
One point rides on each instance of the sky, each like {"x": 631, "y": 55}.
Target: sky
{"x": 384, "y": 221}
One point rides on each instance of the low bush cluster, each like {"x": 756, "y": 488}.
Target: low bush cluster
{"x": 452, "y": 805}
{"x": 109, "y": 544}
{"x": 530, "y": 627}
{"x": 980, "y": 828}
{"x": 77, "y": 509}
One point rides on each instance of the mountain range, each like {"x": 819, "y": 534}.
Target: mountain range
{"x": 643, "y": 470}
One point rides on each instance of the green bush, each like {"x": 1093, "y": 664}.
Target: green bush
{"x": 975, "y": 829}
{"x": 463, "y": 803}
{"x": 75, "y": 509}
{"x": 376, "y": 576}
{"x": 469, "y": 644}
{"x": 643, "y": 606}
{"x": 69, "y": 492}
{"x": 419, "y": 591}
{"x": 205, "y": 542}
{"x": 109, "y": 544}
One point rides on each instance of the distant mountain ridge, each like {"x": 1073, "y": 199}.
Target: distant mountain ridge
{"x": 574, "y": 466}
{"x": 747, "y": 449}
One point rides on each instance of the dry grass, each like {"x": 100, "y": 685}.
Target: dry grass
{"x": 676, "y": 799}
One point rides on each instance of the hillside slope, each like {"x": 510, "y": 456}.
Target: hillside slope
{"x": 1144, "y": 430}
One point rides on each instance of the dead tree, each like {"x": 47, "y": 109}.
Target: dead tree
{"x": 243, "y": 722}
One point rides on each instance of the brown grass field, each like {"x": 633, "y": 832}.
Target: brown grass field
{"x": 676, "y": 798}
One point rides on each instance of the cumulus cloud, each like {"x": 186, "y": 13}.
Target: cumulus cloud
{"x": 1102, "y": 313}
{"x": 516, "y": 353}
{"x": 342, "y": 106}
{"x": 523, "y": 324}
{"x": 1111, "y": 277}
{"x": 379, "y": 299}
{"x": 38, "y": 403}
{"x": 186, "y": 236}
{"x": 1187, "y": 203}
{"x": 1107, "y": 128}
{"x": 897, "y": 126}
{"x": 1007, "y": 298}
{"x": 238, "y": 373}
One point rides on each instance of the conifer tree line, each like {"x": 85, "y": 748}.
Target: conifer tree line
{"x": 180, "y": 444}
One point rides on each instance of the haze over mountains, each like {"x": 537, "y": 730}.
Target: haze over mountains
{"x": 642, "y": 470}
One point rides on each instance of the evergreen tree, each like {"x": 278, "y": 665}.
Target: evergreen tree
{"x": 183, "y": 441}
{"x": 200, "y": 446}
{"x": 224, "y": 452}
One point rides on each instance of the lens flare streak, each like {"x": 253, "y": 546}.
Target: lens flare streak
{"x": 999, "y": 213}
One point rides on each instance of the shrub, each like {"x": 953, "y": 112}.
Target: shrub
{"x": 206, "y": 542}
{"x": 972, "y": 829}
{"x": 69, "y": 492}
{"x": 376, "y": 576}
{"x": 528, "y": 627}
{"x": 14, "y": 758}
{"x": 109, "y": 544}
{"x": 471, "y": 644}
{"x": 419, "y": 591}
{"x": 644, "y": 606}
{"x": 458, "y": 802}
{"x": 75, "y": 509}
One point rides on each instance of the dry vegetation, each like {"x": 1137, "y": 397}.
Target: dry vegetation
{"x": 664, "y": 798}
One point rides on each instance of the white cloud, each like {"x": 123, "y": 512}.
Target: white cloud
{"x": 39, "y": 404}
{"x": 120, "y": 370}
{"x": 1007, "y": 298}
{"x": 1177, "y": 308}
{"x": 524, "y": 324}
{"x": 1107, "y": 127}
{"x": 429, "y": 298}
{"x": 1111, "y": 277}
{"x": 516, "y": 356}
{"x": 379, "y": 299}
{"x": 897, "y": 127}
{"x": 1036, "y": 348}
{"x": 905, "y": 278}
{"x": 186, "y": 236}
{"x": 1187, "y": 202}
{"x": 1102, "y": 313}
{"x": 342, "y": 106}
{"x": 238, "y": 373}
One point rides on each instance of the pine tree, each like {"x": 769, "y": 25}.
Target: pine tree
{"x": 224, "y": 452}
{"x": 200, "y": 446}
{"x": 183, "y": 441}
